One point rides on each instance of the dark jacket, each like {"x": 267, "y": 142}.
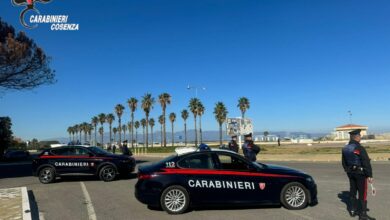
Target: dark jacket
{"x": 233, "y": 146}
{"x": 354, "y": 154}
{"x": 250, "y": 150}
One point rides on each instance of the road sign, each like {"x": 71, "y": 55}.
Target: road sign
{"x": 238, "y": 126}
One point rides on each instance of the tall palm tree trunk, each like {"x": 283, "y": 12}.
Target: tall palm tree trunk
{"x": 151, "y": 134}
{"x": 120, "y": 128}
{"x": 185, "y": 134}
{"x": 220, "y": 134}
{"x": 132, "y": 130}
{"x": 161, "y": 139}
{"x": 147, "y": 130}
{"x": 110, "y": 134}
{"x": 136, "y": 136}
{"x": 96, "y": 134}
{"x": 173, "y": 137}
{"x": 80, "y": 136}
{"x": 164, "y": 131}
{"x": 143, "y": 136}
{"x": 196, "y": 134}
{"x": 200, "y": 130}
{"x": 101, "y": 144}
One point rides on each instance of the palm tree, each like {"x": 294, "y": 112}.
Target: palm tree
{"x": 110, "y": 118}
{"x": 184, "y": 116}
{"x": 76, "y": 129}
{"x": 94, "y": 122}
{"x": 119, "y": 111}
{"x": 147, "y": 105}
{"x": 172, "y": 118}
{"x": 151, "y": 123}
{"x": 124, "y": 129}
{"x": 101, "y": 132}
{"x": 102, "y": 120}
{"x": 164, "y": 100}
{"x": 80, "y": 130}
{"x": 129, "y": 127}
{"x": 133, "y": 106}
{"x": 115, "y": 130}
{"x": 194, "y": 103}
{"x": 90, "y": 128}
{"x": 84, "y": 127}
{"x": 161, "y": 121}
{"x": 200, "y": 111}
{"x": 220, "y": 113}
{"x": 243, "y": 105}
{"x": 70, "y": 130}
{"x": 143, "y": 124}
{"x": 136, "y": 126}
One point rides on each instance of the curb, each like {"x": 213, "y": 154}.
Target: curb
{"x": 25, "y": 204}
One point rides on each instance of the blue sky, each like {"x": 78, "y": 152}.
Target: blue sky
{"x": 302, "y": 64}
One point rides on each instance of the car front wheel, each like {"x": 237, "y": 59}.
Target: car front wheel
{"x": 175, "y": 200}
{"x": 294, "y": 196}
{"x": 107, "y": 173}
{"x": 47, "y": 175}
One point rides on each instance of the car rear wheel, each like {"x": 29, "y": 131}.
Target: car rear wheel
{"x": 107, "y": 173}
{"x": 47, "y": 175}
{"x": 294, "y": 196}
{"x": 175, "y": 200}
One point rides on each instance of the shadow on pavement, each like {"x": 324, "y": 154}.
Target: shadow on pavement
{"x": 33, "y": 205}
{"x": 222, "y": 208}
{"x": 92, "y": 178}
{"x": 344, "y": 198}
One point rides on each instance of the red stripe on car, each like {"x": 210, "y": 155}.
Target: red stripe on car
{"x": 221, "y": 172}
{"x": 70, "y": 157}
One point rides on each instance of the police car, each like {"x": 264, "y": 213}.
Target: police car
{"x": 80, "y": 160}
{"x": 221, "y": 177}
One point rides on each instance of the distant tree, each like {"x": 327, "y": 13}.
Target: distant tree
{"x": 124, "y": 129}
{"x": 136, "y": 126}
{"x": 95, "y": 122}
{"x": 129, "y": 127}
{"x": 132, "y": 102}
{"x": 266, "y": 133}
{"x": 101, "y": 132}
{"x": 110, "y": 118}
{"x": 70, "y": 131}
{"x": 193, "y": 106}
{"x": 34, "y": 144}
{"x": 147, "y": 105}
{"x": 164, "y": 99}
{"x": 151, "y": 123}
{"x": 119, "y": 111}
{"x": 5, "y": 134}
{"x": 184, "y": 116}
{"x": 90, "y": 129}
{"x": 115, "y": 130}
{"x": 143, "y": 124}
{"x": 172, "y": 118}
{"x": 23, "y": 64}
{"x": 161, "y": 122}
{"x": 102, "y": 120}
{"x": 243, "y": 105}
{"x": 220, "y": 113}
{"x": 200, "y": 111}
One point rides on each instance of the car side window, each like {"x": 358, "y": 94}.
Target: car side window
{"x": 80, "y": 152}
{"x": 198, "y": 161}
{"x": 61, "y": 151}
{"x": 230, "y": 162}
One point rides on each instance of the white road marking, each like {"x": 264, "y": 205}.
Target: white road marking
{"x": 25, "y": 204}
{"x": 41, "y": 216}
{"x": 88, "y": 202}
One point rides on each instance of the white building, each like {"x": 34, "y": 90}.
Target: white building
{"x": 342, "y": 132}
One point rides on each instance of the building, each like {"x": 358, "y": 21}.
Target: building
{"x": 342, "y": 132}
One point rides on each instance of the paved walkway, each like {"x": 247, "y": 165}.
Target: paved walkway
{"x": 11, "y": 203}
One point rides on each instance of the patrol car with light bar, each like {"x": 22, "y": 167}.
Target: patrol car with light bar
{"x": 221, "y": 177}
{"x": 80, "y": 161}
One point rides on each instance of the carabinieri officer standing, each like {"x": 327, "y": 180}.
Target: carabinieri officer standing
{"x": 357, "y": 165}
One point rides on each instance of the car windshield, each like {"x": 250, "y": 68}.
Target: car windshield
{"x": 98, "y": 150}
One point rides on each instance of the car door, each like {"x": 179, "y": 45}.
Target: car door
{"x": 198, "y": 170}
{"x": 81, "y": 160}
{"x": 248, "y": 184}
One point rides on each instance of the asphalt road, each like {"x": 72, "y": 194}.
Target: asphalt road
{"x": 69, "y": 199}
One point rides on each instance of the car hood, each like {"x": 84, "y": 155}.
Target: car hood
{"x": 271, "y": 168}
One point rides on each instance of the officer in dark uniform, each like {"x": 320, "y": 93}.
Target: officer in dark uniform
{"x": 233, "y": 146}
{"x": 358, "y": 168}
{"x": 249, "y": 149}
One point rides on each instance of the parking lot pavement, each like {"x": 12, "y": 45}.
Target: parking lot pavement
{"x": 65, "y": 199}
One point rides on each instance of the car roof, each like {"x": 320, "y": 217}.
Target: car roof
{"x": 68, "y": 146}
{"x": 191, "y": 150}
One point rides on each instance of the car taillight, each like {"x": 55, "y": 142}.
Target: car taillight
{"x": 142, "y": 176}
